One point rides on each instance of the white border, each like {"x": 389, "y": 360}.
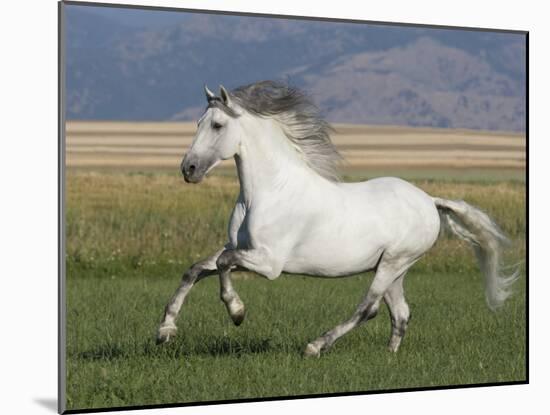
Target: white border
{"x": 29, "y": 203}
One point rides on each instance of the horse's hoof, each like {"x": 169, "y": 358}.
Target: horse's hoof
{"x": 394, "y": 344}
{"x": 393, "y": 348}
{"x": 165, "y": 333}
{"x": 312, "y": 351}
{"x": 238, "y": 317}
{"x": 236, "y": 310}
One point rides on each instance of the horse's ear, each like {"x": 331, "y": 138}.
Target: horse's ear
{"x": 224, "y": 95}
{"x": 209, "y": 94}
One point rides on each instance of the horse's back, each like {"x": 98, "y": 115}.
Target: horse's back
{"x": 384, "y": 187}
{"x": 388, "y": 193}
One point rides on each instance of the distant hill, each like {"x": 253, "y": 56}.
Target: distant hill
{"x": 355, "y": 73}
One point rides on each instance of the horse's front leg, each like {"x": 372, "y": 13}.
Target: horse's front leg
{"x": 198, "y": 271}
{"x": 255, "y": 260}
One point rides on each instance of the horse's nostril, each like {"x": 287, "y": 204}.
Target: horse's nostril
{"x": 191, "y": 169}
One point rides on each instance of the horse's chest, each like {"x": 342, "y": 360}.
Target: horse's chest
{"x": 252, "y": 228}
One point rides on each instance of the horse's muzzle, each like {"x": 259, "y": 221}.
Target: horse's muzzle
{"x": 190, "y": 168}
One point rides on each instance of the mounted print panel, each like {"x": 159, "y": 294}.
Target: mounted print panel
{"x": 254, "y": 207}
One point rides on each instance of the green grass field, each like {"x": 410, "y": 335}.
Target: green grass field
{"x": 130, "y": 237}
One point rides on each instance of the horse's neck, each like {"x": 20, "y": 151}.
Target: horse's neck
{"x": 270, "y": 168}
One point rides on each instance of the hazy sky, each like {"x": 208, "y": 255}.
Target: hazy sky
{"x": 148, "y": 64}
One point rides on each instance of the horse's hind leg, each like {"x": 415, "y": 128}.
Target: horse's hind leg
{"x": 386, "y": 274}
{"x": 202, "y": 269}
{"x": 399, "y": 312}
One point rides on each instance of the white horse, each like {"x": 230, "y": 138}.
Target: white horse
{"x": 293, "y": 215}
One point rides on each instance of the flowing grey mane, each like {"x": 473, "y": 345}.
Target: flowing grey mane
{"x": 300, "y": 118}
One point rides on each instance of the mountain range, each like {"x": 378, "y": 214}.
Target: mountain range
{"x": 118, "y": 69}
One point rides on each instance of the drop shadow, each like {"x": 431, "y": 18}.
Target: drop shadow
{"x": 210, "y": 346}
{"x": 104, "y": 352}
{"x": 225, "y": 346}
{"x": 48, "y": 403}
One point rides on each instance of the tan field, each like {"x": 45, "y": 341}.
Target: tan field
{"x": 161, "y": 145}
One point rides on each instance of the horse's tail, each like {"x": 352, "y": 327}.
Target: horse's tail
{"x": 476, "y": 227}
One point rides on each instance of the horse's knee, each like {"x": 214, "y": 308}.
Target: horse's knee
{"x": 225, "y": 260}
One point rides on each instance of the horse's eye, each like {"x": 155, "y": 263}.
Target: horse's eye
{"x": 216, "y": 126}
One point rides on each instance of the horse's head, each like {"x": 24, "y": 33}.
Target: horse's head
{"x": 218, "y": 136}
